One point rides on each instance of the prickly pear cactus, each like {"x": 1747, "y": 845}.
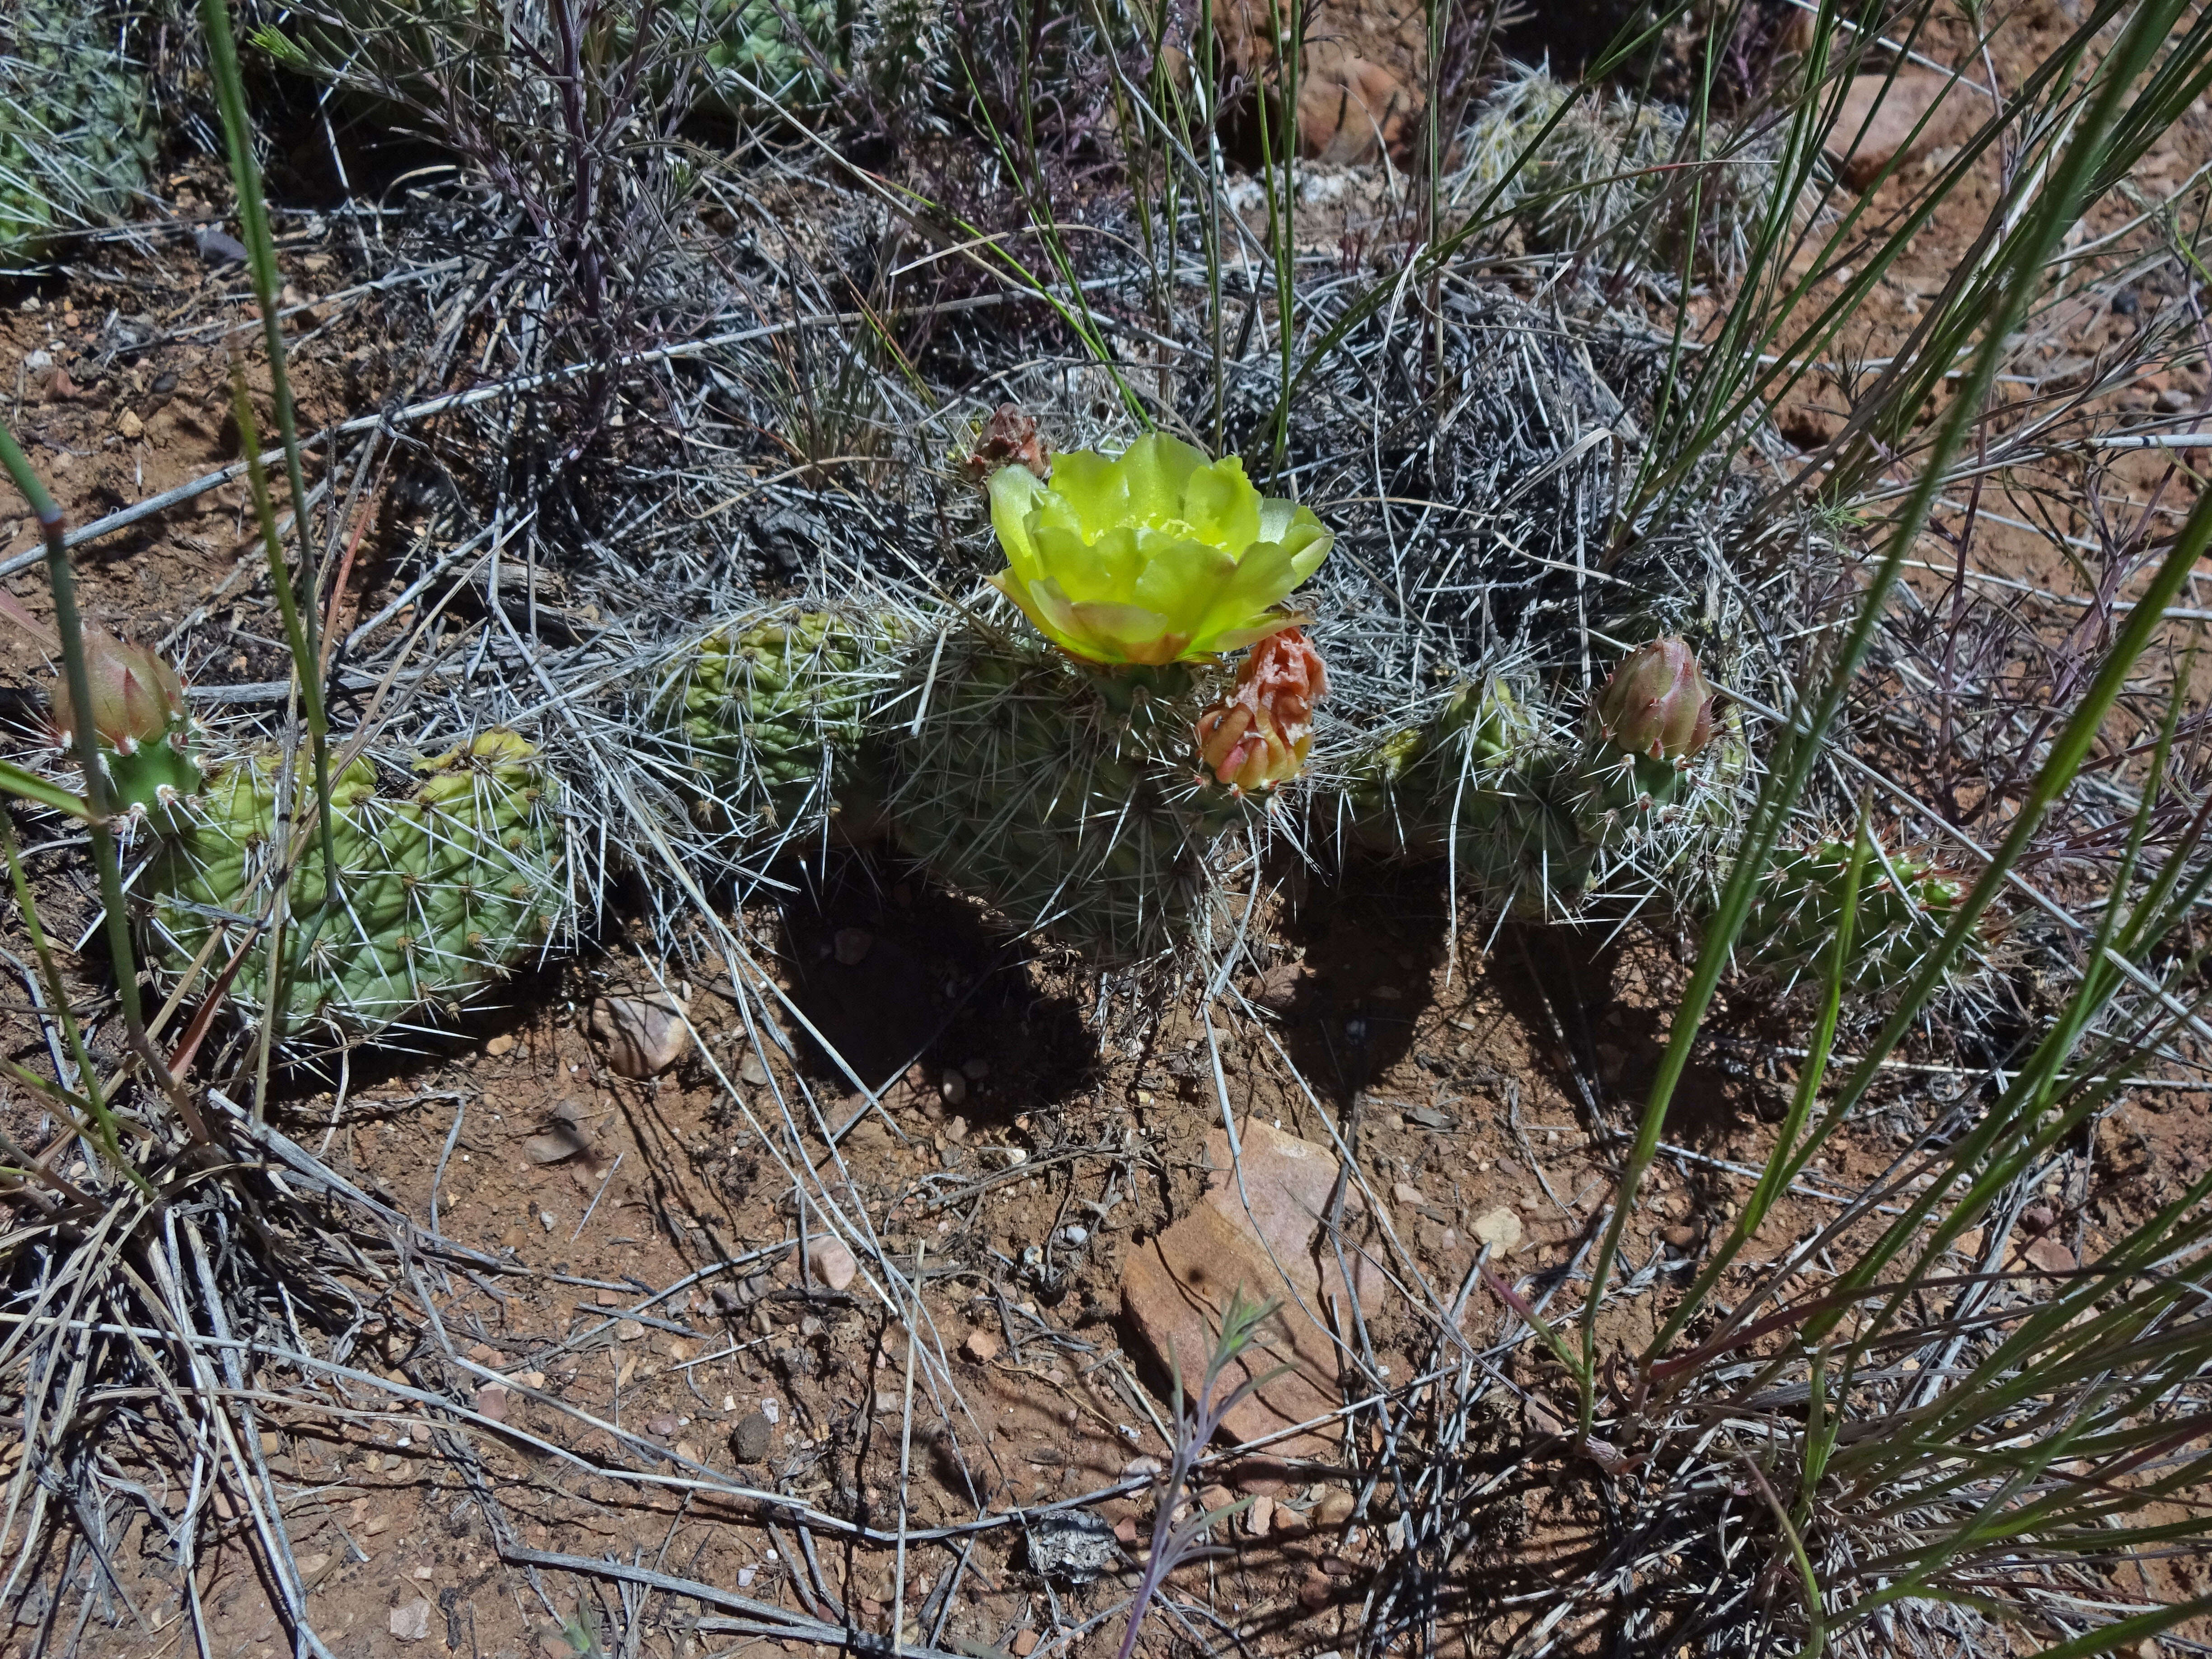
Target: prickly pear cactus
{"x": 75, "y": 141}
{"x": 1066, "y": 797}
{"x": 784, "y": 49}
{"x": 1905, "y": 900}
{"x": 1540, "y": 823}
{"x": 442, "y": 891}
{"x": 766, "y": 715}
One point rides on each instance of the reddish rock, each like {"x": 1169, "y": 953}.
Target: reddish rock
{"x": 1880, "y": 113}
{"x": 2050, "y": 1256}
{"x": 1279, "y": 1202}
{"x": 1261, "y": 1235}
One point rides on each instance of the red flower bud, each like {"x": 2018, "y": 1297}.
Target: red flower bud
{"x": 135, "y": 697}
{"x": 1260, "y": 734}
{"x": 1657, "y": 702}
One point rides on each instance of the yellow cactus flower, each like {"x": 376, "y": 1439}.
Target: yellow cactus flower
{"x": 1156, "y": 555}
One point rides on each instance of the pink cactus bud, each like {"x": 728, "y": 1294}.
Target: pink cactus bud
{"x": 1657, "y": 702}
{"x": 1260, "y": 734}
{"x": 135, "y": 697}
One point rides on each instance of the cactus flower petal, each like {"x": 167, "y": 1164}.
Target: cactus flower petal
{"x": 1154, "y": 556}
{"x": 1260, "y": 735}
{"x": 1657, "y": 703}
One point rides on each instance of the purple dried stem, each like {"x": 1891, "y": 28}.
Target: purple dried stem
{"x": 1240, "y": 1324}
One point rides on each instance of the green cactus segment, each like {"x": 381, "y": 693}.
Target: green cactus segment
{"x": 76, "y": 142}
{"x": 1905, "y": 902}
{"x": 1065, "y": 798}
{"x": 767, "y": 715}
{"x": 1537, "y": 827}
{"x": 152, "y": 772}
{"x": 441, "y": 891}
{"x": 784, "y": 48}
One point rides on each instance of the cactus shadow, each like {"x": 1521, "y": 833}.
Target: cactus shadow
{"x": 893, "y": 974}
{"x": 1597, "y": 1003}
{"x": 1372, "y": 939}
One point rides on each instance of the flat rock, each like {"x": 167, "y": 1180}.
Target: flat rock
{"x": 1279, "y": 1202}
{"x": 1500, "y": 1229}
{"x": 1880, "y": 113}
{"x": 560, "y": 1142}
{"x": 643, "y": 1036}
{"x": 410, "y": 1621}
{"x": 2050, "y": 1256}
{"x": 1262, "y": 1234}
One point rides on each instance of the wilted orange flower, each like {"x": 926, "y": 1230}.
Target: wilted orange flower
{"x": 1260, "y": 734}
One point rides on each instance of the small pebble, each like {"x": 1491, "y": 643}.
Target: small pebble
{"x": 643, "y": 1036}
{"x": 491, "y": 1401}
{"x": 851, "y": 945}
{"x": 748, "y": 1439}
{"x": 2171, "y": 401}
{"x": 545, "y": 1220}
{"x": 832, "y": 1262}
{"x": 1073, "y": 1234}
{"x": 502, "y": 1044}
{"x": 954, "y": 1089}
{"x": 980, "y": 1346}
{"x": 1405, "y": 1193}
{"x": 1261, "y": 1517}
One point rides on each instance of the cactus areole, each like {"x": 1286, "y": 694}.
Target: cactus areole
{"x": 1657, "y": 704}
{"x": 1157, "y": 556}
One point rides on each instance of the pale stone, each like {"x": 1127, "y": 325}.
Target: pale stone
{"x": 410, "y": 1621}
{"x": 1500, "y": 1229}
{"x": 832, "y": 1262}
{"x": 644, "y": 1036}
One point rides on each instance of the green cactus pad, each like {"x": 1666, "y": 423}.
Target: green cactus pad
{"x": 153, "y": 772}
{"x": 75, "y": 141}
{"x": 1064, "y": 796}
{"x": 443, "y": 890}
{"x": 1537, "y": 826}
{"x": 782, "y": 47}
{"x": 768, "y": 712}
{"x": 1905, "y": 902}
